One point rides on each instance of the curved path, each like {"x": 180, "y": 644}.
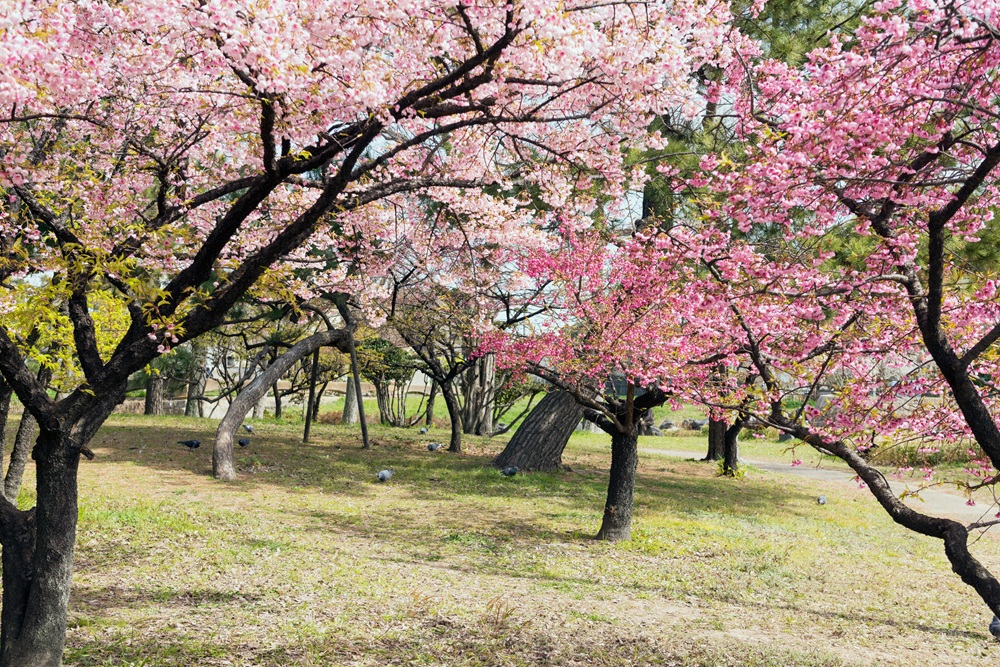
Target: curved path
{"x": 932, "y": 501}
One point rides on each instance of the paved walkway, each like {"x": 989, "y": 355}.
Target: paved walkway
{"x": 936, "y": 502}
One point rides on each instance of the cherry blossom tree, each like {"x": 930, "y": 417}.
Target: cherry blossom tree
{"x": 182, "y": 154}
{"x": 877, "y": 162}
{"x": 828, "y": 247}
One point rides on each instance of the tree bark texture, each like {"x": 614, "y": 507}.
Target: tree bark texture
{"x": 154, "y": 395}
{"x": 617, "y": 522}
{"x": 38, "y": 544}
{"x": 539, "y": 441}
{"x": 350, "y": 414}
{"x": 19, "y": 456}
{"x": 5, "y": 394}
{"x": 716, "y": 440}
{"x": 479, "y": 389}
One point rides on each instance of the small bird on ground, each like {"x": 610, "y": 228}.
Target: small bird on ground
{"x": 509, "y": 472}
{"x": 190, "y": 444}
{"x": 243, "y": 442}
{"x": 995, "y": 627}
{"x": 384, "y": 475}
{"x": 821, "y": 500}
{"x": 423, "y": 429}
{"x": 248, "y": 428}
{"x": 433, "y": 446}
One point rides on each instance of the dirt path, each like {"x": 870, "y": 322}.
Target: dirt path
{"x": 937, "y": 502}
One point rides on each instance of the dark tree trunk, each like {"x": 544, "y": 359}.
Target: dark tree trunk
{"x": 277, "y": 400}
{"x": 731, "y": 458}
{"x": 308, "y": 412}
{"x": 38, "y": 559}
{"x": 716, "y": 440}
{"x": 19, "y": 456}
{"x": 5, "y": 393}
{"x": 350, "y": 414}
{"x": 647, "y": 423}
{"x": 194, "y": 406}
{"x": 154, "y": 395}
{"x": 455, "y": 414}
{"x": 617, "y": 523}
{"x": 429, "y": 421}
{"x": 539, "y": 441}
{"x": 319, "y": 399}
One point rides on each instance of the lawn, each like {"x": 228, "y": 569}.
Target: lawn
{"x": 308, "y": 561}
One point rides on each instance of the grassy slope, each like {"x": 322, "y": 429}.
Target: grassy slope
{"x": 307, "y": 561}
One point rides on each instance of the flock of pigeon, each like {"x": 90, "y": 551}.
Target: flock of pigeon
{"x": 195, "y": 444}
{"x": 382, "y": 476}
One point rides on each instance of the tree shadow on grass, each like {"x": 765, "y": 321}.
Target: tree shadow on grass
{"x": 96, "y": 600}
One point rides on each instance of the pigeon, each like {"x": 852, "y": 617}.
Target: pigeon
{"x": 190, "y": 444}
{"x": 433, "y": 446}
{"x": 423, "y": 429}
{"x": 384, "y": 475}
{"x": 509, "y": 472}
{"x": 995, "y": 627}
{"x": 243, "y": 442}
{"x": 821, "y": 500}
{"x": 248, "y": 428}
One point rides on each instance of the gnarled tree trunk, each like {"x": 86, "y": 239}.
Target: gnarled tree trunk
{"x": 617, "y": 522}
{"x": 539, "y": 441}
{"x": 222, "y": 454}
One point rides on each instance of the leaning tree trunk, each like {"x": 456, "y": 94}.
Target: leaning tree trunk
{"x": 19, "y": 456}
{"x": 350, "y": 414}
{"x": 617, "y": 523}
{"x": 22, "y": 445}
{"x": 222, "y": 453}
{"x": 716, "y": 440}
{"x": 455, "y": 414}
{"x": 539, "y": 441}
{"x": 319, "y": 399}
{"x": 154, "y": 395}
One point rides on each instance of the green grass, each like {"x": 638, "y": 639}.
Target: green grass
{"x": 306, "y": 560}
